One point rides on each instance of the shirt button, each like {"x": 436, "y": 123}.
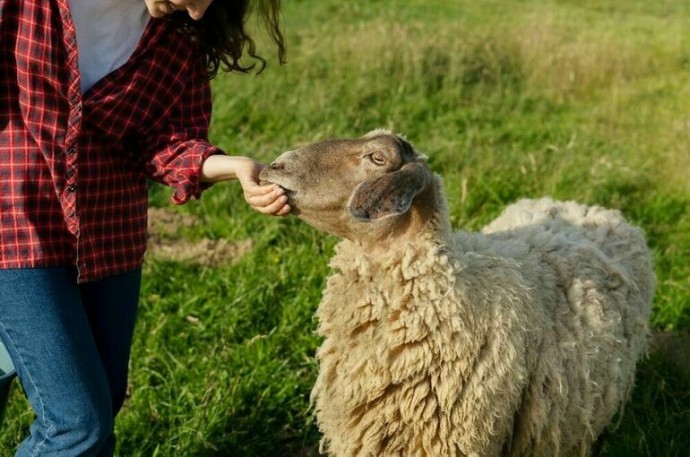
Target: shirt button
{"x": 71, "y": 150}
{"x": 71, "y": 188}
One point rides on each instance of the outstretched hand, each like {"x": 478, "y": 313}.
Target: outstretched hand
{"x": 267, "y": 199}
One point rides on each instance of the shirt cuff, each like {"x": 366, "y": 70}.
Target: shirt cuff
{"x": 188, "y": 184}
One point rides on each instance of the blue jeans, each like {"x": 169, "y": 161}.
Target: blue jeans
{"x": 70, "y": 344}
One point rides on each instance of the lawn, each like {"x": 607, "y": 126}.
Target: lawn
{"x": 584, "y": 100}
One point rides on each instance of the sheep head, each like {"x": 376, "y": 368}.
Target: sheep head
{"x": 365, "y": 189}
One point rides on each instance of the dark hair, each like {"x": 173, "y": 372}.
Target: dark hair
{"x": 222, "y": 36}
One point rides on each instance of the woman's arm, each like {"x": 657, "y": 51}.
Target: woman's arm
{"x": 269, "y": 199}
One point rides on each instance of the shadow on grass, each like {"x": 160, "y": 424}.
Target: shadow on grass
{"x": 656, "y": 422}
{"x": 264, "y": 433}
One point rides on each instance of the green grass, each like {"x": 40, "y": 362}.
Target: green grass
{"x": 584, "y": 100}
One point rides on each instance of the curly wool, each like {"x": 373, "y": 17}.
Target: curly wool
{"x": 521, "y": 340}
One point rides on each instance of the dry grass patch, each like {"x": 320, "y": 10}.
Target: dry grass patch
{"x": 166, "y": 243}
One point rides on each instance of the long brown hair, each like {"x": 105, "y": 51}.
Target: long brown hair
{"x": 222, "y": 35}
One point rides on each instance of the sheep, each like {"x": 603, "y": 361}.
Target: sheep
{"x": 521, "y": 340}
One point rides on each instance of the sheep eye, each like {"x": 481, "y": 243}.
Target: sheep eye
{"x": 377, "y": 158}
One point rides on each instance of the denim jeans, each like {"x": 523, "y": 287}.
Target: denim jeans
{"x": 70, "y": 344}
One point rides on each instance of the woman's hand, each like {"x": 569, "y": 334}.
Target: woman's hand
{"x": 268, "y": 199}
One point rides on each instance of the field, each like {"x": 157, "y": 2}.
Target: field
{"x": 585, "y": 100}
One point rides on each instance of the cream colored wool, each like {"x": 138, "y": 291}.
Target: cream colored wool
{"x": 521, "y": 340}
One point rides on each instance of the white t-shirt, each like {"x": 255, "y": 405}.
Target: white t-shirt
{"x": 108, "y": 32}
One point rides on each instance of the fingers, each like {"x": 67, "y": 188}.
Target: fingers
{"x": 269, "y": 200}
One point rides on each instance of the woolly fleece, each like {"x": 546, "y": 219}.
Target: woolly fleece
{"x": 521, "y": 340}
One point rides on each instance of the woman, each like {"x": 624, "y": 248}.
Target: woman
{"x": 96, "y": 97}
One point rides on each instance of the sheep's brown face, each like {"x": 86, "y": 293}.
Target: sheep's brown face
{"x": 349, "y": 186}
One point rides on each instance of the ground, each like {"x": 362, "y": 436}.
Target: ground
{"x": 166, "y": 243}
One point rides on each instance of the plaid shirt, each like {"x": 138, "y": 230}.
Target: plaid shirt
{"x": 73, "y": 168}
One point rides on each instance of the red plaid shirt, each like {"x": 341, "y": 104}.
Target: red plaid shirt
{"x": 73, "y": 168}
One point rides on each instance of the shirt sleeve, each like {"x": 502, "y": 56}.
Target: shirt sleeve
{"x": 178, "y": 150}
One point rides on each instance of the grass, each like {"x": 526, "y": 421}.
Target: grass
{"x": 581, "y": 100}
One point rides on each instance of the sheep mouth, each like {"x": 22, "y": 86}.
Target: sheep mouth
{"x": 289, "y": 193}
{"x": 268, "y": 182}
{"x": 270, "y": 176}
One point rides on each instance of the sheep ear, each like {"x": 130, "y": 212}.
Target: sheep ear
{"x": 388, "y": 195}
